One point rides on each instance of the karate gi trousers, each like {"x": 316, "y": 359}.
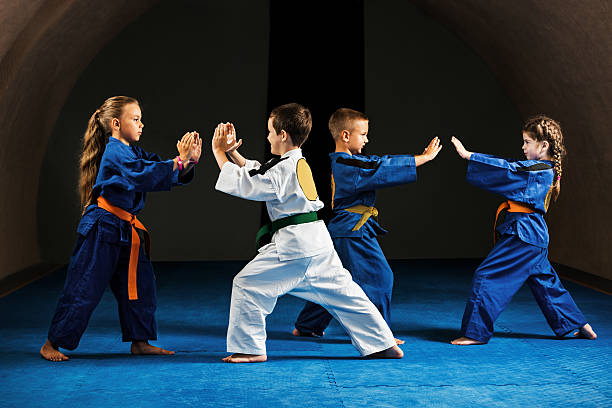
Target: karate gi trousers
{"x": 369, "y": 268}
{"x": 510, "y": 264}
{"x": 101, "y": 256}
{"x": 320, "y": 279}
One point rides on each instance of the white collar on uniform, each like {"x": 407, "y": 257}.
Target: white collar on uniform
{"x": 293, "y": 152}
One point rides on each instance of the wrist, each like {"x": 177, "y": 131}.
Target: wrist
{"x": 180, "y": 163}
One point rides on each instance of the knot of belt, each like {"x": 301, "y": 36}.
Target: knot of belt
{"x": 511, "y": 206}
{"x": 365, "y": 211}
{"x": 135, "y": 223}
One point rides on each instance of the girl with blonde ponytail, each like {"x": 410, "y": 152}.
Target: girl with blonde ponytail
{"x": 520, "y": 251}
{"x": 115, "y": 176}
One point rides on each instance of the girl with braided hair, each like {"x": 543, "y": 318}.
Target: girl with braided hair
{"x": 115, "y": 176}
{"x": 520, "y": 252}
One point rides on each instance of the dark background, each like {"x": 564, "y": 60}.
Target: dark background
{"x": 194, "y": 64}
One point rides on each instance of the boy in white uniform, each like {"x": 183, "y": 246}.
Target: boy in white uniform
{"x": 300, "y": 259}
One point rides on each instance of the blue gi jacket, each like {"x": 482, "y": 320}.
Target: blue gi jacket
{"x": 354, "y": 181}
{"x": 126, "y": 174}
{"x": 527, "y": 181}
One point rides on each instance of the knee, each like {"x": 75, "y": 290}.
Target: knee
{"x": 241, "y": 282}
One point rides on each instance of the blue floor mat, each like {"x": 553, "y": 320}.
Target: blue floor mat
{"x": 523, "y": 364}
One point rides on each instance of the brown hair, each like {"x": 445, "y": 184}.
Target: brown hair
{"x": 343, "y": 119}
{"x": 542, "y": 128}
{"x": 94, "y": 143}
{"x": 294, "y": 119}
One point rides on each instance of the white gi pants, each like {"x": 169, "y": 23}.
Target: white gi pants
{"x": 320, "y": 279}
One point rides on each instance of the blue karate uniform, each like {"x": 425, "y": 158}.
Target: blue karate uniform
{"x": 102, "y": 251}
{"x": 520, "y": 253}
{"x": 354, "y": 181}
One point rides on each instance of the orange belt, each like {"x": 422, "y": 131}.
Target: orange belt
{"x": 135, "y": 223}
{"x": 510, "y": 206}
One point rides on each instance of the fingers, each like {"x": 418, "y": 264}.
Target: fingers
{"x": 456, "y": 142}
{"x": 435, "y": 142}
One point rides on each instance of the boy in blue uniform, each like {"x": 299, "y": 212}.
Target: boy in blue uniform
{"x": 520, "y": 253}
{"x": 353, "y": 228}
{"x": 115, "y": 177}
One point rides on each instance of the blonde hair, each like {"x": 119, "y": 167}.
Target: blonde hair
{"x": 94, "y": 143}
{"x": 343, "y": 119}
{"x": 542, "y": 128}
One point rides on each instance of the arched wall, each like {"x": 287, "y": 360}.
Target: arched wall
{"x": 548, "y": 60}
{"x": 44, "y": 46}
{"x": 555, "y": 58}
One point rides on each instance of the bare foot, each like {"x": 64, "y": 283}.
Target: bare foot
{"x": 144, "y": 348}
{"x": 245, "y": 358}
{"x": 586, "y": 332}
{"x": 391, "y": 352}
{"x": 398, "y": 341}
{"x": 48, "y": 352}
{"x": 298, "y": 333}
{"x": 466, "y": 341}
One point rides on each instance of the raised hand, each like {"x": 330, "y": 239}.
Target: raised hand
{"x": 219, "y": 139}
{"x": 430, "y": 152}
{"x": 196, "y": 148}
{"x": 463, "y": 153}
{"x": 432, "y": 149}
{"x": 231, "y": 138}
{"x": 184, "y": 146}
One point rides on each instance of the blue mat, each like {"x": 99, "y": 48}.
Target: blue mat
{"x": 523, "y": 365}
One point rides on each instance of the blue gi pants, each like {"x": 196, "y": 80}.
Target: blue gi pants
{"x": 101, "y": 257}
{"x": 364, "y": 259}
{"x": 510, "y": 264}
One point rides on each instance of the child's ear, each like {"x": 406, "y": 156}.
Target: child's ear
{"x": 284, "y": 135}
{"x": 345, "y": 136}
{"x": 545, "y": 145}
{"x": 115, "y": 123}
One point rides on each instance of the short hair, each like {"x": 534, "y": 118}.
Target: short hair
{"x": 343, "y": 119}
{"x": 294, "y": 119}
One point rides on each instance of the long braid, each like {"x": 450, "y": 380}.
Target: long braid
{"x": 544, "y": 128}
{"x": 94, "y": 144}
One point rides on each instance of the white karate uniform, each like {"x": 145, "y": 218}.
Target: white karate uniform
{"x": 300, "y": 260}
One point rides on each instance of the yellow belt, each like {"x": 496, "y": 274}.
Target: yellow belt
{"x": 365, "y": 211}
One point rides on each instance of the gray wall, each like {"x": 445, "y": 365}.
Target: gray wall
{"x": 190, "y": 70}
{"x": 423, "y": 81}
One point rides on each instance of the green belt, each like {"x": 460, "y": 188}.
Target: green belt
{"x": 271, "y": 228}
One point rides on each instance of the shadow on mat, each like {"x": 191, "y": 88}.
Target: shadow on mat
{"x": 193, "y": 330}
{"x": 180, "y": 357}
{"x": 183, "y": 357}
{"x": 442, "y": 335}
{"x": 285, "y": 358}
{"x": 286, "y": 335}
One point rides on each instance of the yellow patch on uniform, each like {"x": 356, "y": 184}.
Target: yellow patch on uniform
{"x": 304, "y": 175}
